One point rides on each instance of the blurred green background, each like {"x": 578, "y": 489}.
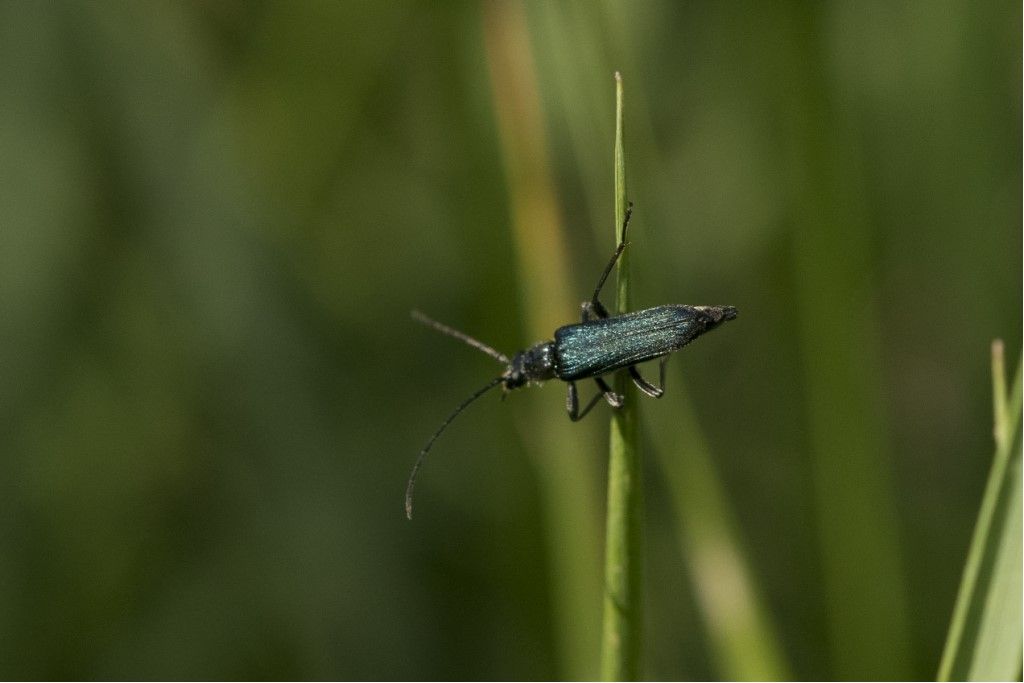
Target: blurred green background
{"x": 215, "y": 218}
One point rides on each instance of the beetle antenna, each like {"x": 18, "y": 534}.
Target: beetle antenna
{"x": 462, "y": 336}
{"x": 444, "y": 425}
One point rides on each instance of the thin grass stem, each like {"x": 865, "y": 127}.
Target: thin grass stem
{"x": 984, "y": 639}
{"x": 623, "y": 600}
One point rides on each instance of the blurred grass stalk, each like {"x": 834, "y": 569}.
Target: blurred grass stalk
{"x": 623, "y": 594}
{"x": 838, "y": 327}
{"x": 567, "y": 477}
{"x": 984, "y": 640}
{"x": 743, "y": 640}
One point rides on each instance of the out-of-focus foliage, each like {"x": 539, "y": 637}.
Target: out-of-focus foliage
{"x": 216, "y": 216}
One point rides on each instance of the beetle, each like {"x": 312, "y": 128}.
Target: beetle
{"x": 598, "y": 345}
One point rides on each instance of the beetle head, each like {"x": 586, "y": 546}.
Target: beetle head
{"x": 535, "y": 364}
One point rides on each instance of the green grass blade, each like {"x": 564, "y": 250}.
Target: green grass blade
{"x": 839, "y": 331}
{"x": 984, "y": 641}
{"x": 623, "y": 600}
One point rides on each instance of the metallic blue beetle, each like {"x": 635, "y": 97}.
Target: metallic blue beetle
{"x": 599, "y": 345}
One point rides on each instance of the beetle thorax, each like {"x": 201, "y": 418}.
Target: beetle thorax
{"x": 535, "y": 364}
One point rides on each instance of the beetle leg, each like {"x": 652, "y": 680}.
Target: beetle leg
{"x": 593, "y": 310}
{"x": 645, "y": 386}
{"x": 614, "y": 400}
{"x": 586, "y": 311}
{"x": 608, "y": 269}
{"x": 572, "y": 403}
